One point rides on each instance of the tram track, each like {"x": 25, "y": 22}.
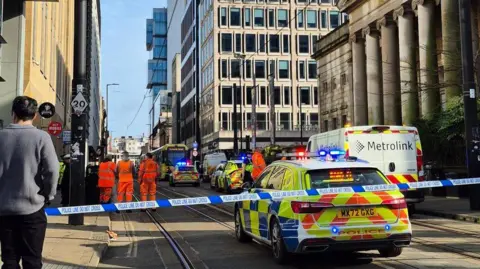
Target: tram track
{"x": 419, "y": 241}
{"x": 183, "y": 258}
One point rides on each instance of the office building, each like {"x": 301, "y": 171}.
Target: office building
{"x": 176, "y": 89}
{"x": 244, "y": 43}
{"x": 157, "y": 70}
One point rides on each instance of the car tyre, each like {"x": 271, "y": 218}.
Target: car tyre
{"x": 279, "y": 251}
{"x": 240, "y": 234}
{"x": 390, "y": 252}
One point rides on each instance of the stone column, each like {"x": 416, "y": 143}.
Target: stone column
{"x": 390, "y": 70}
{"x": 430, "y": 94}
{"x": 374, "y": 76}
{"x": 359, "y": 80}
{"x": 451, "y": 52}
{"x": 408, "y": 64}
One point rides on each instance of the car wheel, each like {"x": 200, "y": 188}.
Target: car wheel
{"x": 390, "y": 252}
{"x": 279, "y": 251}
{"x": 239, "y": 232}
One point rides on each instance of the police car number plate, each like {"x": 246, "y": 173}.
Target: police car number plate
{"x": 357, "y": 212}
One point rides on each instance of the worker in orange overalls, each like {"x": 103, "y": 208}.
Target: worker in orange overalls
{"x": 106, "y": 179}
{"x": 147, "y": 178}
{"x": 125, "y": 172}
{"x": 258, "y": 165}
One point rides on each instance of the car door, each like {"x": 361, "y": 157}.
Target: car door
{"x": 251, "y": 214}
{"x": 265, "y": 206}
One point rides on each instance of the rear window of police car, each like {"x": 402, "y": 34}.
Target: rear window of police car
{"x": 345, "y": 177}
{"x": 186, "y": 168}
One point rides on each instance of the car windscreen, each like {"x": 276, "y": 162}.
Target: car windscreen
{"x": 186, "y": 169}
{"x": 345, "y": 177}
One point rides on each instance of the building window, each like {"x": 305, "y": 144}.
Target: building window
{"x": 235, "y": 17}
{"x": 344, "y": 120}
{"x": 334, "y": 19}
{"x": 285, "y": 120}
{"x": 262, "y": 121}
{"x": 260, "y": 69}
{"x": 286, "y": 95}
{"x": 274, "y": 41}
{"x": 235, "y": 68}
{"x": 227, "y": 98}
{"x": 315, "y": 95}
{"x": 271, "y": 18}
{"x": 259, "y": 17}
{"x": 277, "y": 96}
{"x": 282, "y": 18}
{"x": 314, "y": 119}
{"x": 300, "y": 22}
{"x": 325, "y": 125}
{"x": 225, "y": 121}
{"x": 263, "y": 95}
{"x": 250, "y": 42}
{"x": 247, "y": 17}
{"x": 311, "y": 19}
{"x": 248, "y": 68}
{"x": 345, "y": 17}
{"x": 343, "y": 79}
{"x": 324, "y": 19}
{"x": 334, "y": 83}
{"x": 224, "y": 67}
{"x": 238, "y": 42}
{"x": 261, "y": 41}
{"x": 326, "y": 1}
{"x": 283, "y": 69}
{"x": 226, "y": 42}
{"x": 286, "y": 44}
{"x": 325, "y": 86}
{"x": 312, "y": 69}
{"x": 302, "y": 1}
{"x": 305, "y": 95}
{"x": 334, "y": 124}
{"x": 303, "y": 44}
{"x": 223, "y": 16}
{"x": 301, "y": 69}
{"x": 248, "y": 100}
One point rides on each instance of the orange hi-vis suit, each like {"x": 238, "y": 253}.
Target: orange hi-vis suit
{"x": 106, "y": 180}
{"x": 258, "y": 165}
{"x": 147, "y": 178}
{"x": 125, "y": 180}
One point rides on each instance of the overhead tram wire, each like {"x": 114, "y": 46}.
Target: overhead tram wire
{"x": 266, "y": 43}
{"x": 156, "y": 64}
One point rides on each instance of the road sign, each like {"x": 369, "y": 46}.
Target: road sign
{"x": 46, "y": 110}
{"x": 55, "y": 128}
{"x": 79, "y": 104}
{"x": 67, "y": 137}
{"x": 195, "y": 153}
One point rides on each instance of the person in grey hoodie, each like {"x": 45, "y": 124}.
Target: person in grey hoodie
{"x": 29, "y": 171}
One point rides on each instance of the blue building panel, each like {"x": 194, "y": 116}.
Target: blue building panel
{"x": 149, "y": 34}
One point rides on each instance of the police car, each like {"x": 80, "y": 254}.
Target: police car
{"x": 184, "y": 174}
{"x": 231, "y": 179}
{"x": 329, "y": 222}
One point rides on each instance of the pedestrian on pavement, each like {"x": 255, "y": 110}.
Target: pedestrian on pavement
{"x": 125, "y": 173}
{"x": 147, "y": 178}
{"x": 29, "y": 171}
{"x": 106, "y": 179}
{"x": 65, "y": 188}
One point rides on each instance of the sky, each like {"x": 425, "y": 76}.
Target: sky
{"x": 124, "y": 61}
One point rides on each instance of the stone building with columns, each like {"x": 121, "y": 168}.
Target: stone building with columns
{"x": 401, "y": 61}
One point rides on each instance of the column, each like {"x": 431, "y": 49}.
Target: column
{"x": 452, "y": 65}
{"x": 408, "y": 64}
{"x": 429, "y": 88}
{"x": 390, "y": 70}
{"x": 374, "y": 75}
{"x": 359, "y": 80}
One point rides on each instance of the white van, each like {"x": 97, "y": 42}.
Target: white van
{"x": 395, "y": 150}
{"x": 210, "y": 162}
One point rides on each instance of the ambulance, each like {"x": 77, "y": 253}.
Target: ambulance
{"x": 394, "y": 150}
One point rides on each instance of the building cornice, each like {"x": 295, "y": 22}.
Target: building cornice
{"x": 347, "y": 5}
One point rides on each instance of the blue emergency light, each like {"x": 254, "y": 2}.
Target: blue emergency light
{"x": 182, "y": 164}
{"x": 334, "y": 154}
{"x": 335, "y": 230}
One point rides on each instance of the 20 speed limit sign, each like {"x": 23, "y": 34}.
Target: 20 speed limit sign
{"x": 79, "y": 104}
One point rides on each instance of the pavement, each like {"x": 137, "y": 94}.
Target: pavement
{"x": 68, "y": 246}
{"x": 450, "y": 208}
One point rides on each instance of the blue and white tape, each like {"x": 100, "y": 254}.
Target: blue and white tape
{"x": 276, "y": 195}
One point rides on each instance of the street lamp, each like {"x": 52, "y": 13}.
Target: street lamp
{"x": 108, "y": 107}
{"x": 242, "y": 58}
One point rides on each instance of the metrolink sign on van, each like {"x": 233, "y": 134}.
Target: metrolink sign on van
{"x": 379, "y": 146}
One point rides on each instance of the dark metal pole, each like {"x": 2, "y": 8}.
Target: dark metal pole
{"x": 301, "y": 121}
{"x": 234, "y": 120}
{"x": 272, "y": 106}
{"x": 79, "y": 123}
{"x": 198, "y": 135}
{"x": 241, "y": 104}
{"x": 469, "y": 99}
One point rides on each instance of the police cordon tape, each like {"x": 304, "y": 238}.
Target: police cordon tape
{"x": 275, "y": 195}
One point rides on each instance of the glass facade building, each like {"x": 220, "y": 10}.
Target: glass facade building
{"x": 156, "y": 40}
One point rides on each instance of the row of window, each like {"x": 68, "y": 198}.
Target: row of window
{"x": 273, "y": 18}
{"x": 320, "y": 2}
{"x": 333, "y": 125}
{"x": 207, "y": 75}
{"x": 207, "y": 51}
{"x": 259, "y": 43}
{"x": 282, "y": 95}
{"x": 233, "y": 68}
{"x": 284, "y": 120}
{"x": 333, "y": 83}
{"x": 207, "y": 27}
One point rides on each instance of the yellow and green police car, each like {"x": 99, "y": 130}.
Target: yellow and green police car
{"x": 330, "y": 222}
{"x": 184, "y": 174}
{"x": 231, "y": 179}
